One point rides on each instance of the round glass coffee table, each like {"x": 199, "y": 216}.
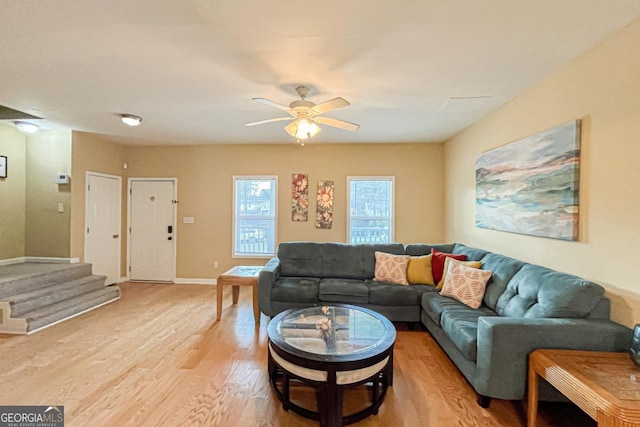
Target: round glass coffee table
{"x": 330, "y": 348}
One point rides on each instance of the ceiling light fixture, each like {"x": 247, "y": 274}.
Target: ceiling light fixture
{"x": 26, "y": 127}
{"x": 130, "y": 119}
{"x": 302, "y": 128}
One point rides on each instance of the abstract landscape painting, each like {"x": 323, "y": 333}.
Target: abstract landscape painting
{"x": 531, "y": 186}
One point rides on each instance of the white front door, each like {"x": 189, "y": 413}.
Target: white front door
{"x": 103, "y": 225}
{"x": 152, "y": 229}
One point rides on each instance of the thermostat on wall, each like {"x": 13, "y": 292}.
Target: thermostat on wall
{"x": 62, "y": 178}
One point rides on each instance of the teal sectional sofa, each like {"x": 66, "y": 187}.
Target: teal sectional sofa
{"x": 525, "y": 307}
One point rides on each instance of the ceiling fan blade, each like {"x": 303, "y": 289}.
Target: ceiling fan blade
{"x": 272, "y": 104}
{"x": 341, "y": 124}
{"x": 261, "y": 122}
{"x": 332, "y": 104}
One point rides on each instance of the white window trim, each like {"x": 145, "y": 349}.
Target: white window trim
{"x": 275, "y": 215}
{"x": 393, "y": 202}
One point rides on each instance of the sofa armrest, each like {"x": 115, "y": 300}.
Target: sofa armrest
{"x": 267, "y": 277}
{"x": 504, "y": 344}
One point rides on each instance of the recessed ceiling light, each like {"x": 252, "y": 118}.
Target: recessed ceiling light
{"x": 130, "y": 119}
{"x": 26, "y": 127}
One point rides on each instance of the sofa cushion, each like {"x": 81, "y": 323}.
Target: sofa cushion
{"x": 472, "y": 254}
{"x": 418, "y": 249}
{"x": 295, "y": 289}
{"x": 461, "y": 326}
{"x": 419, "y": 270}
{"x": 536, "y": 291}
{"x": 348, "y": 291}
{"x": 503, "y": 269}
{"x": 465, "y": 283}
{"x": 437, "y": 262}
{"x": 383, "y": 293}
{"x": 447, "y": 264}
{"x": 391, "y": 268}
{"x": 342, "y": 260}
{"x": 435, "y": 304}
{"x": 369, "y": 257}
{"x": 300, "y": 259}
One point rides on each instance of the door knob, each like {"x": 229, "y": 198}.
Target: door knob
{"x": 169, "y": 238}
{"x": 115, "y": 236}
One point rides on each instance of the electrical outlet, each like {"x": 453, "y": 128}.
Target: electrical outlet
{"x": 215, "y": 264}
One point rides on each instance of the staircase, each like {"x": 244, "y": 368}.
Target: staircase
{"x": 34, "y": 296}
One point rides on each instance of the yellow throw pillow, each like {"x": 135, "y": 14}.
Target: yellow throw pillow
{"x": 419, "y": 270}
{"x": 447, "y": 267}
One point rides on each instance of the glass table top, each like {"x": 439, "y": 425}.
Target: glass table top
{"x": 333, "y": 330}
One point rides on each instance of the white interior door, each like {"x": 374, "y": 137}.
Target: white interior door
{"x": 152, "y": 230}
{"x": 103, "y": 224}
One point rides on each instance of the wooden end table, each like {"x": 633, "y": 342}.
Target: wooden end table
{"x": 241, "y": 275}
{"x": 604, "y": 385}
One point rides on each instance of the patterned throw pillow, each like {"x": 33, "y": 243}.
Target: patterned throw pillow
{"x": 419, "y": 270}
{"x": 437, "y": 262}
{"x": 466, "y": 284}
{"x": 445, "y": 271}
{"x": 391, "y": 268}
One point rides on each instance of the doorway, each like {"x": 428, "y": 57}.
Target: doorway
{"x": 152, "y": 229}
{"x": 103, "y": 220}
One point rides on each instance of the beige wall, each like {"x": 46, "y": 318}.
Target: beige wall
{"x": 205, "y": 191}
{"x": 48, "y": 153}
{"x": 93, "y": 153}
{"x": 601, "y": 87}
{"x": 12, "y": 194}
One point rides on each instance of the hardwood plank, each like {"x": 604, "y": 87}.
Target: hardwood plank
{"x": 158, "y": 357}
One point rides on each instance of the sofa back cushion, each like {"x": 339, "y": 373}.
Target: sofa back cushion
{"x": 536, "y": 291}
{"x": 472, "y": 254}
{"x": 419, "y": 249}
{"x": 300, "y": 259}
{"x": 503, "y": 269}
{"x": 340, "y": 260}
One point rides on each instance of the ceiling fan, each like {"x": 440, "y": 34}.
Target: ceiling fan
{"x": 307, "y": 116}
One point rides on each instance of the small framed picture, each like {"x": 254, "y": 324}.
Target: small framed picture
{"x": 3, "y": 166}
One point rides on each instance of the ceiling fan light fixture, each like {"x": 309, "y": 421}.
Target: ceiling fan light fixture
{"x": 303, "y": 128}
{"x": 130, "y": 119}
{"x": 26, "y": 127}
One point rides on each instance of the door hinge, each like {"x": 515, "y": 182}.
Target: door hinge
{"x": 89, "y": 187}
{"x": 175, "y": 202}
{"x": 129, "y": 269}
{"x": 87, "y": 230}
{"x": 131, "y": 191}
{"x": 129, "y": 230}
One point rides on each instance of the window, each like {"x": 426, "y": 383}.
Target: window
{"x": 254, "y": 216}
{"x": 370, "y": 209}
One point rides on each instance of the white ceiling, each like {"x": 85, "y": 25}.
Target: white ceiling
{"x": 191, "y": 67}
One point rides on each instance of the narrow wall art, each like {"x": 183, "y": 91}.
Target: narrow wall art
{"x": 531, "y": 186}
{"x": 324, "y": 205}
{"x": 299, "y": 197}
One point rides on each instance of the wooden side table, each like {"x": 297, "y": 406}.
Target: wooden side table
{"x": 604, "y": 385}
{"x": 241, "y": 275}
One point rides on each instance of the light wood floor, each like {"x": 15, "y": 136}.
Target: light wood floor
{"x": 158, "y": 357}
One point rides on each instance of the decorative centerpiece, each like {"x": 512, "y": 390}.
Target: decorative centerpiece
{"x": 323, "y": 325}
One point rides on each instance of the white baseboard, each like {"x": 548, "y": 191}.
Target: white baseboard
{"x": 11, "y": 261}
{"x": 47, "y": 260}
{"x": 181, "y": 281}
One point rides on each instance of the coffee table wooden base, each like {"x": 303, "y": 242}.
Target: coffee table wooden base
{"x": 604, "y": 385}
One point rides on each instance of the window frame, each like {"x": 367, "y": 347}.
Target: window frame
{"x": 392, "y": 223}
{"x": 236, "y": 178}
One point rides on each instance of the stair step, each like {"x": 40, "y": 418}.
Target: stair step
{"x": 23, "y": 303}
{"x": 26, "y": 277}
{"x": 45, "y": 316}
{"x": 41, "y": 312}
